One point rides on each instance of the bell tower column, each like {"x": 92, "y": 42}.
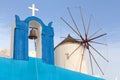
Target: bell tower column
{"x": 48, "y": 44}
{"x": 20, "y": 50}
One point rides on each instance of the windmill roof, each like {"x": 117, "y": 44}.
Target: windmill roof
{"x": 68, "y": 39}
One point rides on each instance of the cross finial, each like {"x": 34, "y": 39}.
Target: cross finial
{"x": 33, "y": 9}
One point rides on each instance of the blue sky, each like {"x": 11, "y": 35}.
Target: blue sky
{"x": 106, "y": 15}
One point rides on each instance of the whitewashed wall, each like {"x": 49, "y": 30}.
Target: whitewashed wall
{"x": 73, "y": 63}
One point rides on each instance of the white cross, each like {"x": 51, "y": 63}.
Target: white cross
{"x": 33, "y": 9}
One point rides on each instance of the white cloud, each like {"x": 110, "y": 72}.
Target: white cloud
{"x": 5, "y": 53}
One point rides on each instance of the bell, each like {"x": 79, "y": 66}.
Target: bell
{"x": 32, "y": 34}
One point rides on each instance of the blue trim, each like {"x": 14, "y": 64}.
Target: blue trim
{"x": 31, "y": 18}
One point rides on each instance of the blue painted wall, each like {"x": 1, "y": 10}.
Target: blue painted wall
{"x": 21, "y": 40}
{"x": 35, "y": 69}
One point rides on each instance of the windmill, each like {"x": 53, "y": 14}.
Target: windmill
{"x": 84, "y": 42}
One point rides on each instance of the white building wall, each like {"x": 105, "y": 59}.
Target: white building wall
{"x": 73, "y": 63}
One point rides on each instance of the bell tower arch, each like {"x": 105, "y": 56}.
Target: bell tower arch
{"x": 44, "y": 42}
{"x": 38, "y": 42}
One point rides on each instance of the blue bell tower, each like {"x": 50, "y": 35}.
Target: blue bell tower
{"x": 20, "y": 49}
